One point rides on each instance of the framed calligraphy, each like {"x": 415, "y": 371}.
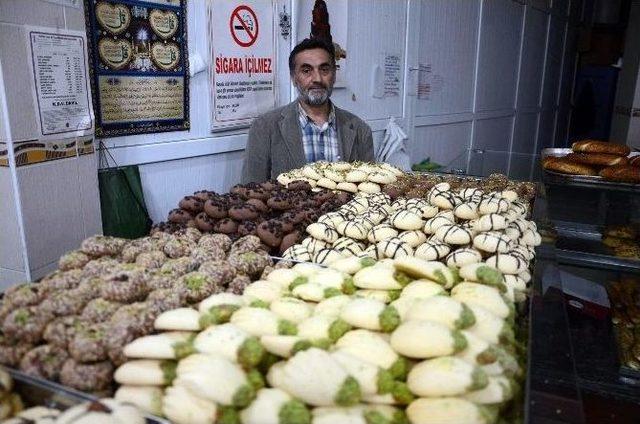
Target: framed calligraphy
{"x": 139, "y": 65}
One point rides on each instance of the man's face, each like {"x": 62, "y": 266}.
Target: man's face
{"x": 314, "y": 76}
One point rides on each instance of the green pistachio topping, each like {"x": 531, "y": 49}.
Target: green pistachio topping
{"x": 250, "y": 352}
{"x": 399, "y": 417}
{"x": 491, "y": 277}
{"x": 218, "y": 314}
{"x": 227, "y": 415}
{"x": 297, "y": 281}
{"x": 389, "y": 319}
{"x": 243, "y": 396}
{"x": 294, "y": 412}
{"x": 349, "y": 393}
{"x": 455, "y": 275}
{"x": 331, "y": 292}
{"x": 479, "y": 379}
{"x": 467, "y": 318}
{"x": 256, "y": 379}
{"x": 22, "y": 316}
{"x": 402, "y": 278}
{"x": 487, "y": 356}
{"x": 394, "y": 294}
{"x": 365, "y": 262}
{"x": 399, "y": 369}
{"x": 184, "y": 348}
{"x": 348, "y": 287}
{"x": 337, "y": 329}
{"x": 489, "y": 413}
{"x": 168, "y": 371}
{"x": 287, "y": 328}
{"x": 195, "y": 281}
{"x": 375, "y": 417}
{"x": 401, "y": 393}
{"x": 259, "y": 303}
{"x": 440, "y": 278}
{"x": 324, "y": 344}
{"x": 459, "y": 341}
{"x": 384, "y": 382}
{"x": 301, "y": 345}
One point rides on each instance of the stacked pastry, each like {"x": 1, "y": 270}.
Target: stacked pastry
{"x": 625, "y": 316}
{"x": 623, "y": 240}
{"x": 10, "y": 402}
{"x": 296, "y": 347}
{"x": 73, "y": 324}
{"x": 276, "y": 214}
{"x": 591, "y": 157}
{"x": 343, "y": 176}
{"x": 104, "y": 411}
{"x": 457, "y": 228}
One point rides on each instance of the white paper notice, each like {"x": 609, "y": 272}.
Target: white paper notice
{"x": 424, "y": 84}
{"x": 391, "y": 75}
{"x": 243, "y": 61}
{"x": 60, "y": 76}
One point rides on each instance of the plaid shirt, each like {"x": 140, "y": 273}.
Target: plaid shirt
{"x": 319, "y": 143}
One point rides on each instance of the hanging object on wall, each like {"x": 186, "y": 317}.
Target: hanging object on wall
{"x": 139, "y": 66}
{"x": 243, "y": 61}
{"x": 326, "y": 20}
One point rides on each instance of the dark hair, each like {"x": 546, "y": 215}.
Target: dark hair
{"x": 310, "y": 44}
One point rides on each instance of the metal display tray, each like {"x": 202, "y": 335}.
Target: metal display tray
{"x": 40, "y": 392}
{"x": 586, "y": 181}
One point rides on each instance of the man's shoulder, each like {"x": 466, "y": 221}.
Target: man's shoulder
{"x": 274, "y": 115}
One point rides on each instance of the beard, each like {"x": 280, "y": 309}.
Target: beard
{"x": 315, "y": 95}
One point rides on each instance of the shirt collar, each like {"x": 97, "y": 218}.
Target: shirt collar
{"x": 305, "y": 119}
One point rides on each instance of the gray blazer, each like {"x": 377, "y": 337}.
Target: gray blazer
{"x": 275, "y": 142}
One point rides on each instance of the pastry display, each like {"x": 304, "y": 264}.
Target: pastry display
{"x": 72, "y": 325}
{"x": 622, "y": 240}
{"x": 11, "y": 404}
{"x": 108, "y": 411}
{"x": 611, "y": 161}
{"x": 306, "y": 344}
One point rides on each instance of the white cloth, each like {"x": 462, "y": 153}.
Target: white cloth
{"x": 392, "y": 149}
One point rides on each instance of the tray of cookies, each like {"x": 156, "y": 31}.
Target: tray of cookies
{"x": 591, "y": 161}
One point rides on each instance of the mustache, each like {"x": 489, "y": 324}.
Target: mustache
{"x": 317, "y": 86}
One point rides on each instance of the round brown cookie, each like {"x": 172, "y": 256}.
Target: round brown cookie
{"x": 219, "y": 240}
{"x": 126, "y": 286}
{"x": 202, "y": 254}
{"x": 342, "y": 197}
{"x": 299, "y": 185}
{"x": 205, "y": 195}
{"x": 197, "y": 286}
{"x": 119, "y": 334}
{"x": 287, "y": 224}
{"x": 216, "y": 208}
{"x": 260, "y": 205}
{"x": 246, "y": 212}
{"x": 226, "y": 226}
{"x": 270, "y": 233}
{"x": 255, "y": 191}
{"x": 151, "y": 260}
{"x": 323, "y": 196}
{"x": 270, "y": 185}
{"x": 240, "y": 190}
{"x": 204, "y": 222}
{"x": 246, "y": 228}
{"x": 44, "y": 362}
{"x": 289, "y": 240}
{"x": 179, "y": 216}
{"x": 280, "y": 201}
{"x": 87, "y": 377}
{"x": 191, "y": 204}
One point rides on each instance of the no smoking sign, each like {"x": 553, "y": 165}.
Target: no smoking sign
{"x": 243, "y": 25}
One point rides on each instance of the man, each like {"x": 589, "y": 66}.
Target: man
{"x": 309, "y": 129}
